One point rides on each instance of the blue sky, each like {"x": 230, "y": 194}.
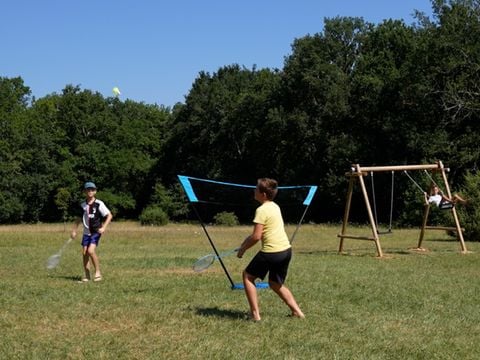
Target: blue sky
{"x": 152, "y": 49}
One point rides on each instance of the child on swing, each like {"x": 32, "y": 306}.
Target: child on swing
{"x": 438, "y": 198}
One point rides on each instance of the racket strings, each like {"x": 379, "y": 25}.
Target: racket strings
{"x": 53, "y": 261}
{"x": 204, "y": 262}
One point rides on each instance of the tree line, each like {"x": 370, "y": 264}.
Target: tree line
{"x": 355, "y": 92}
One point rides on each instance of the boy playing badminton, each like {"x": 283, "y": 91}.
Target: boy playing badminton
{"x": 96, "y": 217}
{"x": 275, "y": 253}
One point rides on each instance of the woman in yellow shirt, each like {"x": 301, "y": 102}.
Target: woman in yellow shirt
{"x": 275, "y": 254}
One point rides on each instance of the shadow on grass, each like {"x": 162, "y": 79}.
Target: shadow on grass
{"x": 357, "y": 252}
{"x": 442, "y": 239}
{"x": 220, "y": 313}
{"x": 316, "y": 252}
{"x": 66, "y": 277}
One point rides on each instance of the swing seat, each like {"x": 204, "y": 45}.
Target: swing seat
{"x": 445, "y": 205}
{"x": 384, "y": 232}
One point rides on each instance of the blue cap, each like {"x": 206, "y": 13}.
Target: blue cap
{"x": 89, "y": 185}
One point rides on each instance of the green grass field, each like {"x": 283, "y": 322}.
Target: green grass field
{"x": 151, "y": 305}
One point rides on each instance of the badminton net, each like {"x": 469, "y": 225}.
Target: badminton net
{"x": 210, "y": 197}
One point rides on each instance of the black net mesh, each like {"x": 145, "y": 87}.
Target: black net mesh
{"x": 212, "y": 197}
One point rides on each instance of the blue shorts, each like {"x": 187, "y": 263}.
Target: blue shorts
{"x": 276, "y": 264}
{"x": 88, "y": 240}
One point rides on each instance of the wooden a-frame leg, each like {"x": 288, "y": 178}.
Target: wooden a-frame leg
{"x": 424, "y": 225}
{"x": 370, "y": 218}
{"x": 347, "y": 212}
{"x": 459, "y": 231}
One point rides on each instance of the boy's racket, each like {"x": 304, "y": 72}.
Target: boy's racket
{"x": 54, "y": 260}
{"x": 204, "y": 262}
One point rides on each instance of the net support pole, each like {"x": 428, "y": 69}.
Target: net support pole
{"x": 213, "y": 247}
{"x": 307, "y": 202}
{"x": 298, "y": 226}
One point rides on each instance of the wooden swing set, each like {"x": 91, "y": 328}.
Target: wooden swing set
{"x": 358, "y": 173}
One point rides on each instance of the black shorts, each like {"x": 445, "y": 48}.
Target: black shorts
{"x": 276, "y": 264}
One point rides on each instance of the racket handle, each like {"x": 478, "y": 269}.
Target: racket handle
{"x": 226, "y": 253}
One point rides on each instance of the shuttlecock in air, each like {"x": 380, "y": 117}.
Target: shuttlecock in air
{"x": 116, "y": 91}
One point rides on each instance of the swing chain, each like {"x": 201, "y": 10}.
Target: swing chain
{"x": 389, "y": 230}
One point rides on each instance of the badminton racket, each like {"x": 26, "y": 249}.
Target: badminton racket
{"x": 54, "y": 260}
{"x": 204, "y": 262}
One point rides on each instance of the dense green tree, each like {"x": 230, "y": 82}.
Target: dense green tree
{"x": 220, "y": 131}
{"x": 14, "y": 97}
{"x": 454, "y": 55}
{"x": 133, "y": 148}
{"x": 116, "y": 144}
{"x": 470, "y": 214}
{"x": 379, "y": 102}
{"x": 316, "y": 92}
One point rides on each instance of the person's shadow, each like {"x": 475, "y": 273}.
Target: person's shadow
{"x": 221, "y": 313}
{"x": 66, "y": 277}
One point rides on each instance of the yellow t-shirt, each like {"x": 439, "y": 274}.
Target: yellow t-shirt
{"x": 274, "y": 237}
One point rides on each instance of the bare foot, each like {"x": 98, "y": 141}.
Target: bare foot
{"x": 254, "y": 317}
{"x": 299, "y": 315}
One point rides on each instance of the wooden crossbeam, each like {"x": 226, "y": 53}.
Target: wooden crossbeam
{"x": 358, "y": 168}
{"x": 355, "y": 237}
